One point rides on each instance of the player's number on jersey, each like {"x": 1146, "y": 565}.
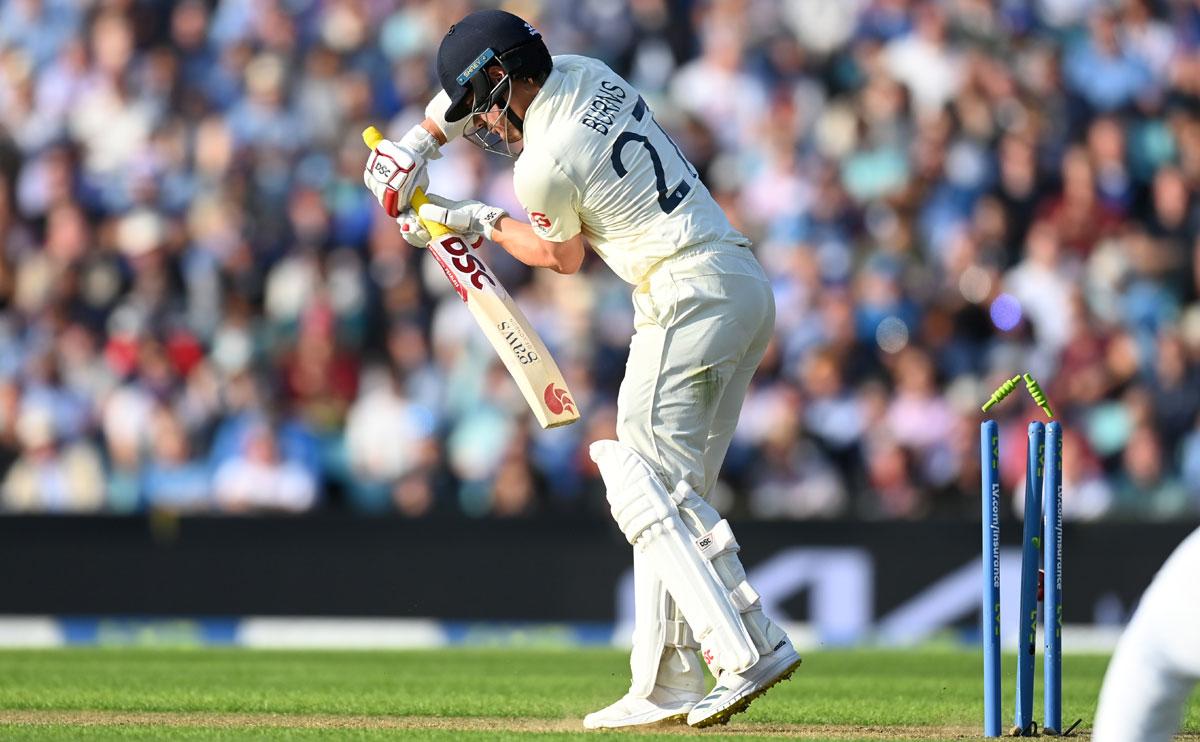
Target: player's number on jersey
{"x": 667, "y": 199}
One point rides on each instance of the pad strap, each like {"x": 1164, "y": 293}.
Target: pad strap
{"x": 744, "y": 597}
{"x": 649, "y": 517}
{"x": 717, "y": 541}
{"x": 679, "y": 635}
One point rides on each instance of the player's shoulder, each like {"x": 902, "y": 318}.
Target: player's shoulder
{"x": 582, "y": 99}
{"x": 578, "y": 66}
{"x": 577, "y": 99}
{"x": 576, "y": 80}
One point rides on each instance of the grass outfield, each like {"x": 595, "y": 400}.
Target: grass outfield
{"x": 232, "y": 694}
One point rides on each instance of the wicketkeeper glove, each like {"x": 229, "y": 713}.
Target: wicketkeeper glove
{"x": 462, "y": 216}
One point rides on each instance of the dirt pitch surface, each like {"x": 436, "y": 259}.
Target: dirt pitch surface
{"x": 467, "y": 724}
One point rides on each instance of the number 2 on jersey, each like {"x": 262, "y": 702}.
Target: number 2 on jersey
{"x": 667, "y": 199}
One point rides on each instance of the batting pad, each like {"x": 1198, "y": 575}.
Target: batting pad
{"x": 649, "y": 518}
{"x": 714, "y": 539}
{"x": 664, "y": 652}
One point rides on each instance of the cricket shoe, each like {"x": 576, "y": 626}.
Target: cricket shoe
{"x": 733, "y": 693}
{"x": 662, "y": 706}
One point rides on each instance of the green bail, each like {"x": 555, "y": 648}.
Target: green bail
{"x": 1001, "y": 392}
{"x": 1035, "y": 391}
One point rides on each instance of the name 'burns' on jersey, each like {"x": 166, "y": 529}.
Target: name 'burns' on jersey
{"x": 595, "y": 161}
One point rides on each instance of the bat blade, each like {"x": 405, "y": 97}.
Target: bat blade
{"x": 509, "y": 332}
{"x": 502, "y": 321}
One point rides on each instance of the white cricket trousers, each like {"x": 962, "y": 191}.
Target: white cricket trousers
{"x": 1157, "y": 661}
{"x": 702, "y": 322}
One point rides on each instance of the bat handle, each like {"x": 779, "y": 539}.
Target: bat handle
{"x": 372, "y": 137}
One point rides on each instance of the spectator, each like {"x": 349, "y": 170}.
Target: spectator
{"x": 717, "y": 89}
{"x": 1103, "y": 70}
{"x": 260, "y": 481}
{"x": 917, "y": 416}
{"x": 173, "y": 479}
{"x": 795, "y": 479}
{"x": 1190, "y": 460}
{"x": 1087, "y": 495}
{"x": 1042, "y": 282}
{"x": 50, "y": 476}
{"x": 924, "y": 62}
{"x": 1146, "y": 489}
{"x": 186, "y": 250}
{"x": 893, "y": 491}
{"x": 386, "y": 437}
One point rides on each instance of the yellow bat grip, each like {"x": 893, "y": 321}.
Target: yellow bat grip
{"x": 372, "y": 137}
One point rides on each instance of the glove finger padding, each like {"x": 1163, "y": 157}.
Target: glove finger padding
{"x": 456, "y": 219}
{"x": 462, "y": 216}
{"x": 392, "y": 174}
{"x": 414, "y": 231}
{"x": 419, "y": 141}
{"x": 444, "y": 203}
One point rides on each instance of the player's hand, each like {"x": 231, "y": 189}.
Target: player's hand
{"x": 392, "y": 173}
{"x": 417, "y": 235}
{"x": 462, "y": 216}
{"x": 412, "y": 229}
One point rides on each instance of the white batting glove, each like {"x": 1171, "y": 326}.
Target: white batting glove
{"x": 462, "y": 216}
{"x": 414, "y": 231}
{"x": 420, "y": 141}
{"x": 392, "y": 173}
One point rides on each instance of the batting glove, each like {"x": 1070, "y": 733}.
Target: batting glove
{"x": 392, "y": 173}
{"x": 463, "y": 216}
{"x": 414, "y": 231}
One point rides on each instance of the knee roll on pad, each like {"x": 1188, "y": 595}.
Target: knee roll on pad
{"x": 650, "y": 520}
{"x": 635, "y": 503}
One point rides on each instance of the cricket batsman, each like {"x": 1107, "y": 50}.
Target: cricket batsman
{"x": 594, "y": 165}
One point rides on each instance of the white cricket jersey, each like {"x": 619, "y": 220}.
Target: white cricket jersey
{"x": 596, "y": 162}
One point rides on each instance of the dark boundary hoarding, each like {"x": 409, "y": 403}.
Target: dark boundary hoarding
{"x": 849, "y": 577}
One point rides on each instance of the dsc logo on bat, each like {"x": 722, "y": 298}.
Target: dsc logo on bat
{"x": 464, "y": 263}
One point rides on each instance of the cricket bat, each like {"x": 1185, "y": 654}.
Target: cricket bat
{"x": 523, "y": 352}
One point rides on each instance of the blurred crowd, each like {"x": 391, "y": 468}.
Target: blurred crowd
{"x": 203, "y": 309}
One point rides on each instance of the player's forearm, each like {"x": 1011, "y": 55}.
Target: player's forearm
{"x": 519, "y": 240}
